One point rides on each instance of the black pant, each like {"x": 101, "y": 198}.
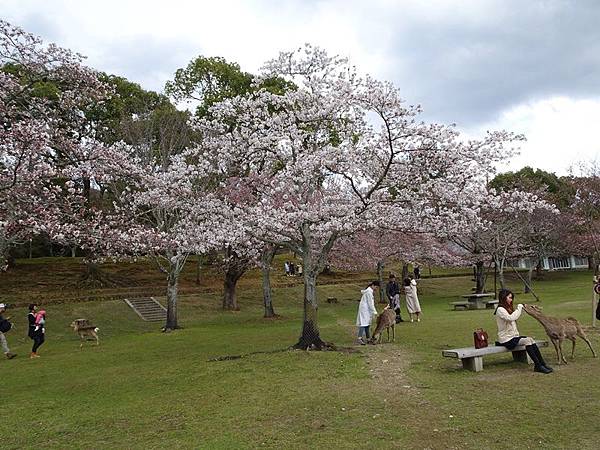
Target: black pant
{"x": 38, "y": 339}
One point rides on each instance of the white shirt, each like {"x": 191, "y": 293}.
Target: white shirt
{"x": 507, "y": 323}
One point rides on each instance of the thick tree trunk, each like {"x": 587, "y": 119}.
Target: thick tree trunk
{"x": 479, "y": 277}
{"x": 380, "y": 267}
{"x": 232, "y": 275}
{"x": 538, "y": 269}
{"x": 266, "y": 260}
{"x": 404, "y": 270}
{"x": 310, "y": 338}
{"x": 172, "y": 287}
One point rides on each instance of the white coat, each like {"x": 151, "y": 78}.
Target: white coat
{"x": 366, "y": 308}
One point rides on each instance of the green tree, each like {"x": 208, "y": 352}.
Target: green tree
{"x": 210, "y": 80}
{"x": 556, "y": 190}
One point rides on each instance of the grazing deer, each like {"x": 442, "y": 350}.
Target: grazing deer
{"x": 558, "y": 330}
{"x": 386, "y": 320}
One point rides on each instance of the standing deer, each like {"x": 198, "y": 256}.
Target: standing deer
{"x": 558, "y": 330}
{"x": 386, "y": 320}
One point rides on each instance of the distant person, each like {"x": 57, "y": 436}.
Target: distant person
{"x": 37, "y": 329}
{"x": 412, "y": 299}
{"x": 508, "y": 335}
{"x": 366, "y": 312}
{"x": 393, "y": 293}
{"x": 417, "y": 272}
{"x": 299, "y": 270}
{"x": 286, "y": 268}
{"x": 5, "y": 327}
{"x": 292, "y": 269}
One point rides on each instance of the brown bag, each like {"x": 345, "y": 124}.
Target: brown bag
{"x": 480, "y": 337}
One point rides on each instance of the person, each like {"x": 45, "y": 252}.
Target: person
{"x": 508, "y": 335}
{"x": 292, "y": 269}
{"x": 286, "y": 267}
{"x": 299, "y": 270}
{"x": 366, "y": 312}
{"x": 417, "y": 272}
{"x": 37, "y": 330}
{"x": 412, "y": 299}
{"x": 393, "y": 293}
{"x": 5, "y": 327}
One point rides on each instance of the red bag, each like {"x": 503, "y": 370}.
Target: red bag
{"x": 480, "y": 337}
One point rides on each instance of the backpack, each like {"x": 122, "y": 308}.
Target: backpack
{"x": 5, "y": 326}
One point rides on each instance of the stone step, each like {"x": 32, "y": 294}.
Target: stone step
{"x": 147, "y": 308}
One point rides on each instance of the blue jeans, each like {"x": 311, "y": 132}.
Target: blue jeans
{"x": 364, "y": 331}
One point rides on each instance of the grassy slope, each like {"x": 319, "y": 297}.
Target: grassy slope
{"x": 144, "y": 389}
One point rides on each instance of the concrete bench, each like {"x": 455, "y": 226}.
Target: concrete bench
{"x": 472, "y": 358}
{"x": 491, "y": 304}
{"x": 460, "y": 305}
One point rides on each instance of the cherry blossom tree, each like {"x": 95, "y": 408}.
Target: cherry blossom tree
{"x": 326, "y": 160}
{"x": 44, "y": 143}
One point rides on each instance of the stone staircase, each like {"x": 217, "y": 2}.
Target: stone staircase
{"x": 148, "y": 309}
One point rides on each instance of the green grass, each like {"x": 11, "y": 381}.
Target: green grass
{"x": 144, "y": 389}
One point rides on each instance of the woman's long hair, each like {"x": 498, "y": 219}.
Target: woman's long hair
{"x": 503, "y": 300}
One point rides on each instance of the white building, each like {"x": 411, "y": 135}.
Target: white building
{"x": 554, "y": 263}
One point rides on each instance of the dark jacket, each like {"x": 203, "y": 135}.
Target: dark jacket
{"x": 31, "y": 319}
{"x": 5, "y": 325}
{"x": 392, "y": 289}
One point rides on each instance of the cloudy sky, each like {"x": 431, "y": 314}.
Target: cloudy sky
{"x": 532, "y": 66}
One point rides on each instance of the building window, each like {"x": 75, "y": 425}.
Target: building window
{"x": 580, "y": 262}
{"x": 559, "y": 263}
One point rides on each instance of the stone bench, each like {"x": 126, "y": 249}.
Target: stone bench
{"x": 491, "y": 304}
{"x": 472, "y": 358}
{"x": 460, "y": 305}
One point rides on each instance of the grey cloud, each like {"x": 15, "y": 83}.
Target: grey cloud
{"x": 469, "y": 72}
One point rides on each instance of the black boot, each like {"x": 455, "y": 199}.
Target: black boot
{"x": 537, "y": 365}
{"x": 541, "y": 358}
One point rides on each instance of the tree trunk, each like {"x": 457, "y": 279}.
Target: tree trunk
{"x": 172, "y": 285}
{"x": 232, "y": 275}
{"x": 501, "y": 274}
{"x": 529, "y": 280}
{"x": 380, "y": 267}
{"x": 404, "y": 270}
{"x": 479, "y": 277}
{"x": 266, "y": 260}
{"x": 73, "y": 251}
{"x": 310, "y": 338}
{"x": 538, "y": 269}
{"x": 198, "y": 267}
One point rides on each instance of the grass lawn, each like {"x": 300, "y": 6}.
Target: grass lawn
{"x": 144, "y": 389}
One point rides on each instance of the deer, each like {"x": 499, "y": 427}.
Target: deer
{"x": 558, "y": 330}
{"x": 386, "y": 320}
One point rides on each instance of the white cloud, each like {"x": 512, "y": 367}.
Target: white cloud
{"x": 529, "y": 67}
{"x": 560, "y": 132}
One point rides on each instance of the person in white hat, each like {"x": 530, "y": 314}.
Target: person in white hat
{"x": 5, "y": 326}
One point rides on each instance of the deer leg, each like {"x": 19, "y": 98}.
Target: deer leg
{"x": 393, "y": 333}
{"x": 587, "y": 341}
{"x": 388, "y": 333}
{"x": 573, "y": 349}
{"x": 561, "y": 352}
{"x": 557, "y": 352}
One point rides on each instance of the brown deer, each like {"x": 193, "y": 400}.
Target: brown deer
{"x": 386, "y": 320}
{"x": 558, "y": 330}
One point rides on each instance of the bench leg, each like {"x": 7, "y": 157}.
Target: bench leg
{"x": 522, "y": 356}
{"x": 474, "y": 364}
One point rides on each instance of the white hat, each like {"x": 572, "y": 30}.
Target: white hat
{"x": 2, "y": 306}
